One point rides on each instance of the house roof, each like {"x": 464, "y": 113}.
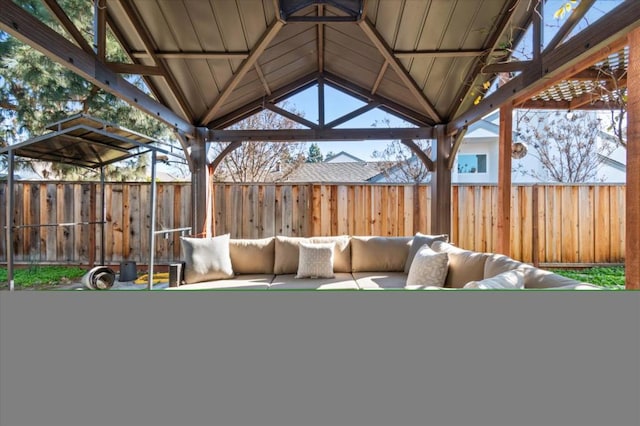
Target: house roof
{"x": 343, "y": 154}
{"x": 335, "y": 172}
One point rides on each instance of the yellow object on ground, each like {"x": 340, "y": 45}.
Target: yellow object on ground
{"x": 161, "y": 277}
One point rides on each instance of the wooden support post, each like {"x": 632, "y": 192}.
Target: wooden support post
{"x": 632, "y": 232}
{"x": 199, "y": 177}
{"x": 503, "y": 234}
{"x": 441, "y": 183}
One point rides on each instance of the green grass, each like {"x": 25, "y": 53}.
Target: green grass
{"x": 41, "y": 277}
{"x": 608, "y": 277}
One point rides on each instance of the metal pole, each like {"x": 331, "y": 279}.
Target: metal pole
{"x": 103, "y": 215}
{"x": 9, "y": 210}
{"x": 152, "y": 228}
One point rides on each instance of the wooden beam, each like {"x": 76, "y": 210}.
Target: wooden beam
{"x": 394, "y": 108}
{"x": 257, "y": 104}
{"x": 503, "y": 213}
{"x": 456, "y": 146}
{"x": 18, "y": 23}
{"x": 309, "y": 135}
{"x": 320, "y": 37}
{"x": 419, "y": 153}
{"x": 145, "y": 36}
{"x": 137, "y": 69}
{"x": 226, "y": 151}
{"x": 428, "y": 54}
{"x": 188, "y": 55}
{"x": 538, "y": 13}
{"x": 353, "y": 114}
{"x": 257, "y": 50}
{"x": 602, "y": 38}
{"x": 68, "y": 25}
{"x": 573, "y": 20}
{"x": 267, "y": 90}
{"x": 379, "y": 78}
{"x": 632, "y": 209}
{"x": 291, "y": 116}
{"x": 384, "y": 49}
{"x": 506, "y": 67}
{"x": 100, "y": 29}
{"x": 441, "y": 183}
{"x": 595, "y": 105}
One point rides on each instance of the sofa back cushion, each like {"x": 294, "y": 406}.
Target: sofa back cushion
{"x": 252, "y": 256}
{"x": 496, "y": 264}
{"x": 287, "y": 253}
{"x": 379, "y": 254}
{"x": 464, "y": 265}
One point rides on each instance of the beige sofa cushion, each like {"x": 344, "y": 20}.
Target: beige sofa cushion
{"x": 287, "y": 253}
{"x": 539, "y": 278}
{"x": 464, "y": 265}
{"x": 417, "y": 242}
{"x": 509, "y": 280}
{"x": 250, "y": 256}
{"x": 341, "y": 281}
{"x": 380, "y": 280}
{"x": 245, "y": 282}
{"x": 206, "y": 259}
{"x": 499, "y": 263}
{"x": 379, "y": 254}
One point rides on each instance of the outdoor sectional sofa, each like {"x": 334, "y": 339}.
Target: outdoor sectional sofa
{"x": 357, "y": 263}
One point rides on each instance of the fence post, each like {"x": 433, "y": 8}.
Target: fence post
{"x": 535, "y": 243}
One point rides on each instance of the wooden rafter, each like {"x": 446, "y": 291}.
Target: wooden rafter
{"x": 144, "y": 34}
{"x": 437, "y": 53}
{"x": 385, "y": 104}
{"x": 246, "y": 65}
{"x": 187, "y": 55}
{"x": 602, "y": 38}
{"x": 263, "y": 80}
{"x": 291, "y": 116}
{"x": 122, "y": 68}
{"x": 376, "y": 84}
{"x": 20, "y": 24}
{"x": 386, "y": 52}
{"x": 353, "y": 114}
{"x": 506, "y": 67}
{"x": 320, "y": 37}
{"x": 68, "y": 25}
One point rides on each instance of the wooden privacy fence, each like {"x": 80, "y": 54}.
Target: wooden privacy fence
{"x": 567, "y": 224}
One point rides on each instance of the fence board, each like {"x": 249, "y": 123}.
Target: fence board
{"x": 579, "y": 223}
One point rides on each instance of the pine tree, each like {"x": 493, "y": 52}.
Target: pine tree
{"x": 314, "y": 155}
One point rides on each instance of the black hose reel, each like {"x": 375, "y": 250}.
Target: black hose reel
{"x": 99, "y": 278}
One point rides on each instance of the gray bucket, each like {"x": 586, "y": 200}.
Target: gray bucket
{"x": 128, "y": 271}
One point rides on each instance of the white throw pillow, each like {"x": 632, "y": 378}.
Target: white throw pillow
{"x": 417, "y": 242}
{"x": 510, "y": 280}
{"x": 206, "y": 259}
{"x": 428, "y": 268}
{"x": 315, "y": 260}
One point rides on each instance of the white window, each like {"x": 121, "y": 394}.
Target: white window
{"x": 472, "y": 163}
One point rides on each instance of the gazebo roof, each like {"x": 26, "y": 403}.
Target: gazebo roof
{"x": 212, "y": 63}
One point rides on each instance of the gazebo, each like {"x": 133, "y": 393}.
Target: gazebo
{"x": 211, "y": 64}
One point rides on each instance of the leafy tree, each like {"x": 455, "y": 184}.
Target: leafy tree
{"x": 314, "y": 154}
{"x": 398, "y": 163}
{"x": 260, "y": 161}
{"x": 35, "y": 91}
{"x": 568, "y": 146}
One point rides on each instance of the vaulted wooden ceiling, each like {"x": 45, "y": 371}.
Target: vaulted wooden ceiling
{"x": 210, "y": 63}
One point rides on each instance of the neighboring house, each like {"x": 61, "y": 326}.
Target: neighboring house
{"x": 343, "y": 157}
{"x": 477, "y": 159}
{"x": 353, "y": 171}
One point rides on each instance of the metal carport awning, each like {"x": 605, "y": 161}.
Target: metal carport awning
{"x": 85, "y": 141}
